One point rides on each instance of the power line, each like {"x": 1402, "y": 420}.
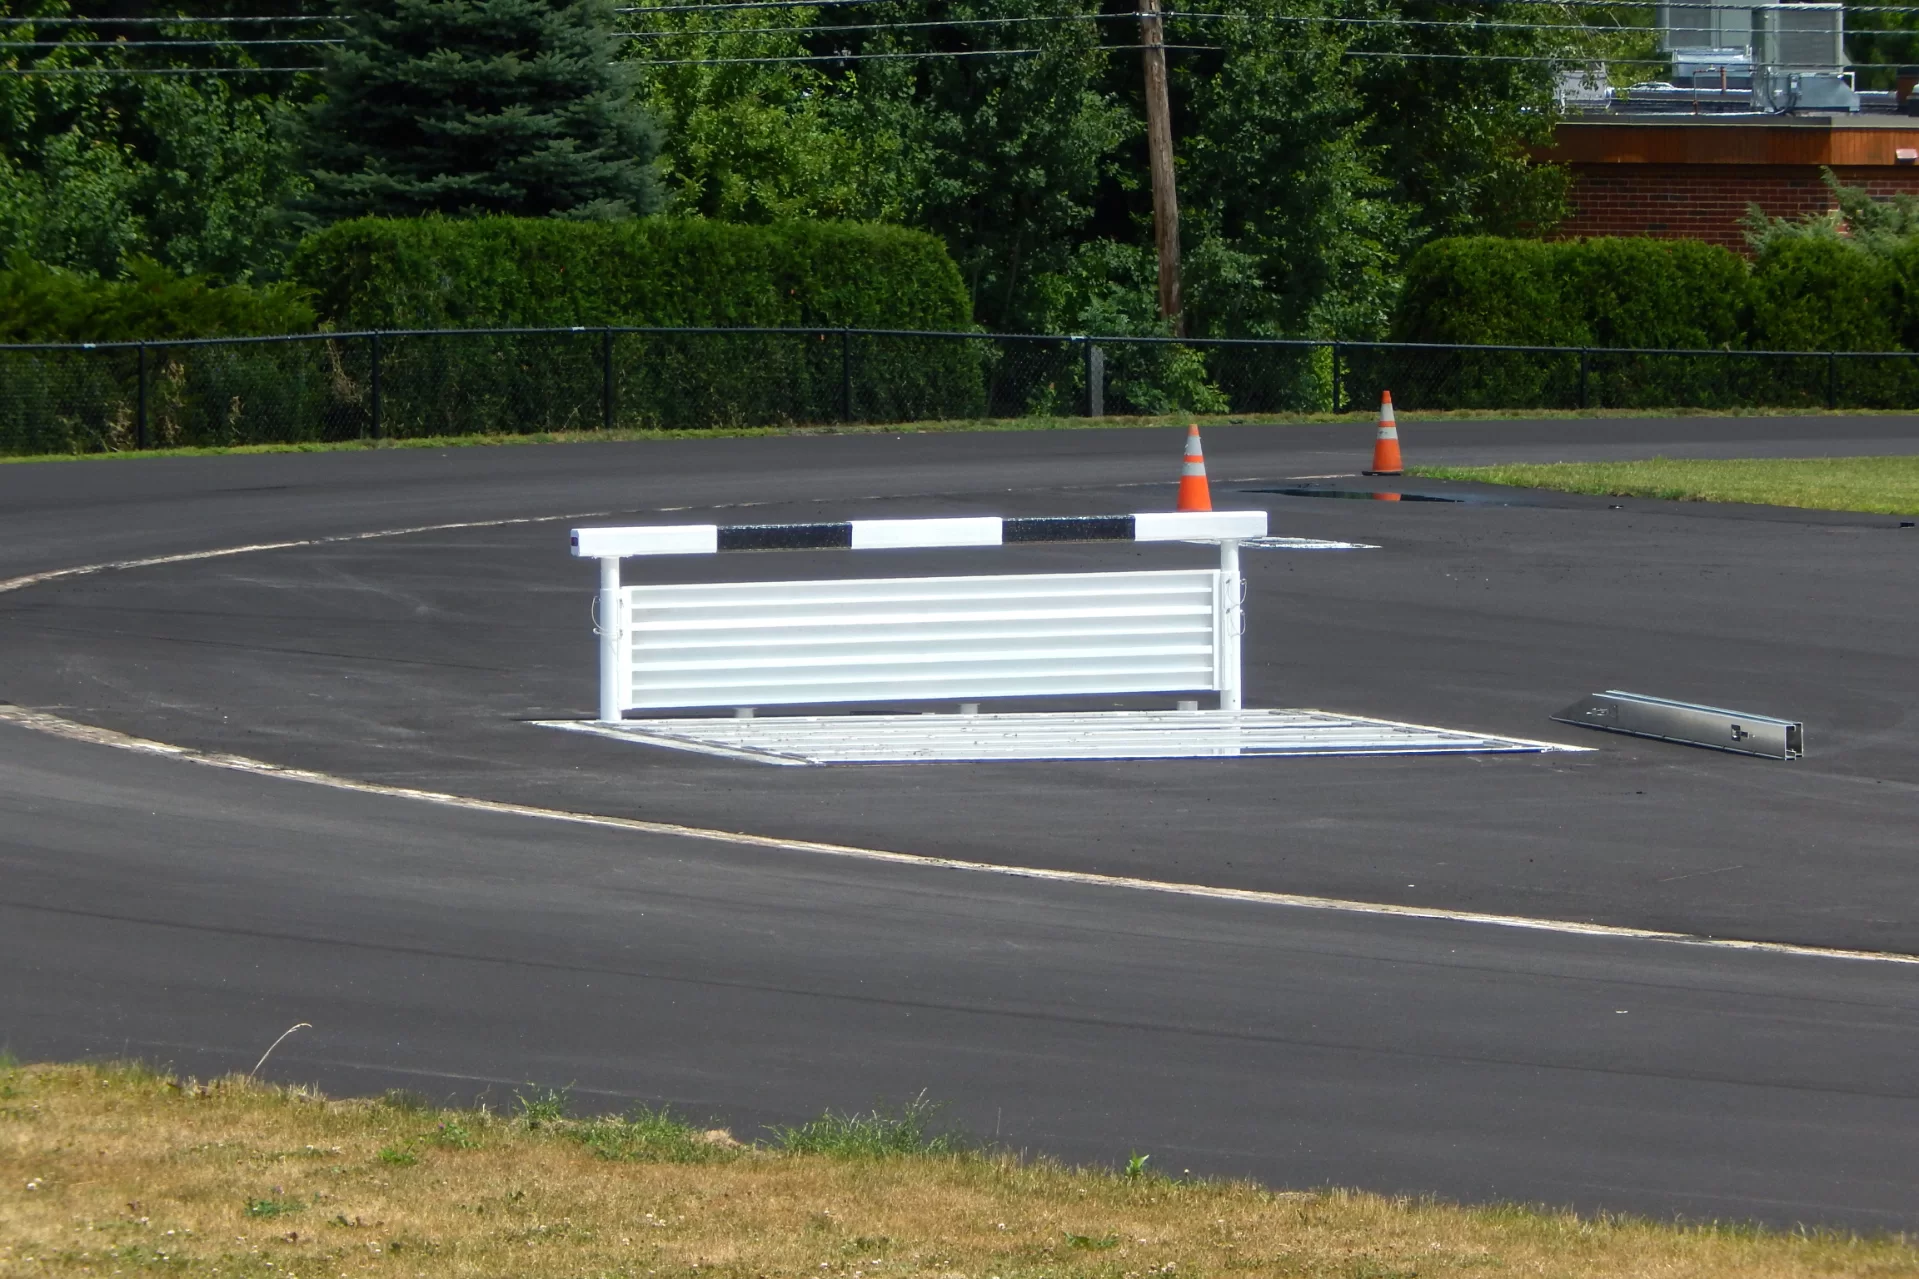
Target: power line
{"x": 1568, "y": 61}
{"x": 139, "y": 71}
{"x": 742, "y": 5}
{"x": 747, "y": 4}
{"x": 828, "y": 28}
{"x": 1470, "y": 23}
{"x": 947, "y": 23}
{"x": 180, "y": 21}
{"x": 875, "y": 57}
{"x": 6, "y": 45}
{"x": 1577, "y": 61}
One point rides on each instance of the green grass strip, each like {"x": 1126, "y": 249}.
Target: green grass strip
{"x": 1879, "y": 485}
{"x": 1362, "y": 418}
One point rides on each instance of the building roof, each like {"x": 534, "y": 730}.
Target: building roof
{"x": 1838, "y": 140}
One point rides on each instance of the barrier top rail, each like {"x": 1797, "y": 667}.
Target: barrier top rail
{"x": 874, "y": 535}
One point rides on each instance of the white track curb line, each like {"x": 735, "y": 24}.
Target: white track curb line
{"x": 66, "y": 728}
{"x": 153, "y": 561}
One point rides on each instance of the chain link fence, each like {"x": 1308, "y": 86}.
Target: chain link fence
{"x": 396, "y": 385}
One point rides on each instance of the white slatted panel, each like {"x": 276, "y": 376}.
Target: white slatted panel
{"x": 785, "y": 643}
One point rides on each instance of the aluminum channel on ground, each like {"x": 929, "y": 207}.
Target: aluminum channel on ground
{"x": 1711, "y": 726}
{"x": 946, "y": 738}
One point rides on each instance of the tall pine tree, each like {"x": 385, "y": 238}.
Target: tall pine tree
{"x": 467, "y": 107}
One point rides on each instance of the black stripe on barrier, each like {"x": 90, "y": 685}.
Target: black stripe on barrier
{"x": 786, "y": 537}
{"x": 1068, "y": 528}
{"x": 839, "y": 536}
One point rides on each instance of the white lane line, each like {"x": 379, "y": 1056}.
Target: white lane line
{"x": 61, "y": 727}
{"x": 152, "y": 561}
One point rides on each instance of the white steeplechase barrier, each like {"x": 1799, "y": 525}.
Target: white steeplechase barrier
{"x": 750, "y": 644}
{"x": 744, "y": 645}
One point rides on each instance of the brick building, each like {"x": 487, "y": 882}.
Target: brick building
{"x": 1693, "y": 177}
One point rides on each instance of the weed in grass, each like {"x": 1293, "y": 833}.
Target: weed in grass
{"x": 653, "y": 1136}
{"x": 1087, "y": 1243}
{"x": 398, "y": 1156}
{"x": 271, "y": 1207}
{"x": 1135, "y": 1169}
{"x": 874, "y": 1135}
{"x": 544, "y": 1107}
{"x": 405, "y": 1100}
{"x": 453, "y": 1135}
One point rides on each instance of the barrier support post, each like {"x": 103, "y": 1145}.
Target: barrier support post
{"x": 1232, "y": 623}
{"x": 612, "y": 643}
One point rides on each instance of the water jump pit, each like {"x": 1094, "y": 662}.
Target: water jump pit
{"x": 1049, "y": 735}
{"x": 798, "y": 644}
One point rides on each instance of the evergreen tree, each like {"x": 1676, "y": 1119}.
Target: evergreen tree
{"x": 468, "y": 107}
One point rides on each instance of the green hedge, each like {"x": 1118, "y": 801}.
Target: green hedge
{"x": 1664, "y": 294}
{"x": 440, "y": 273}
{"x": 505, "y": 272}
{"x": 1669, "y": 295}
{"x": 1482, "y": 290}
{"x": 44, "y": 304}
{"x": 1808, "y": 292}
{"x": 1824, "y": 294}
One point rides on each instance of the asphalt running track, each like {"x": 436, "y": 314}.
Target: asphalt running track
{"x": 186, "y": 914}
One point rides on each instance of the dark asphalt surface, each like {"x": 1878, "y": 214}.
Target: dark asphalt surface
{"x": 188, "y": 915}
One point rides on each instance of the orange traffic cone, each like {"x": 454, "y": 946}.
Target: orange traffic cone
{"x": 1386, "y": 443}
{"x": 1194, "y": 493}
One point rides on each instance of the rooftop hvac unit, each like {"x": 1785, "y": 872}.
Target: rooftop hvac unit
{"x": 1800, "y": 52}
{"x": 1706, "y": 26}
{"x": 1583, "y": 90}
{"x": 1800, "y": 37}
{"x": 1712, "y": 68}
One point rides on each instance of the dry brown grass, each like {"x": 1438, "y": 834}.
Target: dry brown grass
{"x": 107, "y": 1171}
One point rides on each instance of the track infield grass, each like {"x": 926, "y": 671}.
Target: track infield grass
{"x": 110, "y": 1170}
{"x": 1879, "y": 485}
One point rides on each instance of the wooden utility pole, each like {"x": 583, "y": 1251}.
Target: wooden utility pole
{"x": 1159, "y": 146}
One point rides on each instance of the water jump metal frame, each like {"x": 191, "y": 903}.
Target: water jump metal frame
{"x": 895, "y": 639}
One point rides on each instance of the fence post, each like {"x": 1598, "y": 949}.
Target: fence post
{"x": 606, "y": 378}
{"x": 1832, "y": 379}
{"x": 140, "y": 400}
{"x": 1585, "y": 375}
{"x": 1094, "y": 358}
{"x": 846, "y": 374}
{"x": 374, "y": 383}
